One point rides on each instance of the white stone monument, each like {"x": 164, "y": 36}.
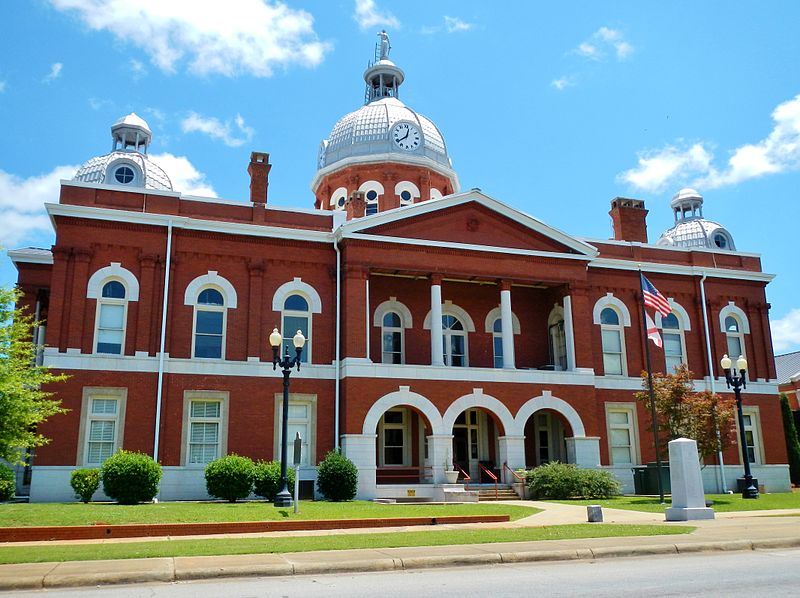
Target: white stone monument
{"x": 688, "y": 499}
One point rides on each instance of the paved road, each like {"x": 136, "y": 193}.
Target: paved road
{"x": 774, "y": 573}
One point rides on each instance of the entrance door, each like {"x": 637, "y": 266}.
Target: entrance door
{"x": 467, "y": 447}
{"x": 549, "y": 434}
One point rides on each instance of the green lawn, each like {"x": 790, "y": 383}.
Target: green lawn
{"x": 170, "y": 548}
{"x": 16, "y": 515}
{"x": 722, "y": 502}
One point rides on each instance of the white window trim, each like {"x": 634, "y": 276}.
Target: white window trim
{"x": 620, "y": 329}
{"x": 311, "y": 442}
{"x": 680, "y": 312}
{"x": 114, "y": 271}
{"x": 557, "y": 315}
{"x": 405, "y": 426}
{"x": 683, "y": 325}
{"x": 435, "y": 193}
{"x": 396, "y": 306}
{"x": 297, "y": 287}
{"x": 755, "y": 417}
{"x": 394, "y": 329}
{"x": 287, "y": 334}
{"x": 411, "y": 188}
{"x": 733, "y": 310}
{"x": 610, "y": 301}
{"x": 633, "y": 426}
{"x": 336, "y": 194}
{"x": 214, "y": 308}
{"x": 101, "y": 301}
{"x": 494, "y": 314}
{"x": 368, "y": 186}
{"x": 218, "y": 396}
{"x": 449, "y": 308}
{"x": 214, "y": 280}
{"x": 97, "y": 392}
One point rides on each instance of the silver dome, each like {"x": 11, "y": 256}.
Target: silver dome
{"x": 366, "y": 132}
{"x": 691, "y": 229}
{"x": 101, "y": 169}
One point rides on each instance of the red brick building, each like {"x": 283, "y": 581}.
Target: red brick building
{"x": 443, "y": 326}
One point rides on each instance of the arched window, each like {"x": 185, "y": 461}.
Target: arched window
{"x": 392, "y": 338}
{"x": 372, "y": 202}
{"x": 497, "y": 342}
{"x": 112, "y": 308}
{"x": 674, "y": 342}
{"x": 613, "y": 341}
{"x": 454, "y": 341}
{"x": 557, "y": 339}
{"x": 296, "y": 316}
{"x": 209, "y": 324}
{"x": 734, "y": 333}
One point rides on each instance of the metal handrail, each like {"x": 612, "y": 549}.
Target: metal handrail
{"x": 464, "y": 474}
{"x": 491, "y": 475}
{"x": 513, "y": 473}
{"x": 424, "y": 472}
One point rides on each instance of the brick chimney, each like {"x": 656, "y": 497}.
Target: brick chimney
{"x": 258, "y": 169}
{"x": 356, "y": 205}
{"x": 628, "y": 217}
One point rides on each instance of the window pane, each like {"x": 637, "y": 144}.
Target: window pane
{"x": 208, "y": 346}
{"x": 111, "y": 316}
{"x": 205, "y": 409}
{"x": 673, "y": 362}
{"x": 731, "y": 324}
{"x": 291, "y": 324}
{"x": 298, "y": 412}
{"x": 618, "y": 417}
{"x": 204, "y": 432}
{"x": 498, "y": 325}
{"x": 609, "y": 316}
{"x": 210, "y": 297}
{"x": 99, "y": 451}
{"x": 101, "y": 431}
{"x": 620, "y": 454}
{"x": 393, "y": 437}
{"x": 392, "y": 342}
{"x": 670, "y": 322}
{"x": 391, "y": 320}
{"x": 295, "y": 303}
{"x": 104, "y": 406}
{"x": 734, "y": 347}
{"x": 672, "y": 344}
{"x": 393, "y": 417}
{"x": 612, "y": 364}
{"x": 393, "y": 455}
{"x": 113, "y": 290}
{"x": 209, "y": 322}
{"x": 611, "y": 341}
{"x": 620, "y": 437}
{"x": 457, "y": 344}
{"x": 109, "y": 348}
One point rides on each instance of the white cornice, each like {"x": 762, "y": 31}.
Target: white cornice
{"x": 664, "y": 248}
{"x": 615, "y": 264}
{"x": 25, "y": 256}
{"x": 216, "y": 226}
{"x": 394, "y": 158}
{"x": 119, "y": 188}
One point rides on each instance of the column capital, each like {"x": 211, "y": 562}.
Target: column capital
{"x": 505, "y": 285}
{"x": 436, "y": 279}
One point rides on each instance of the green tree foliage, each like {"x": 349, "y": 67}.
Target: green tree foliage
{"x": 792, "y": 440}
{"x": 23, "y": 403}
{"x": 85, "y": 483}
{"x": 337, "y": 477}
{"x": 7, "y": 483}
{"x": 130, "y": 477}
{"x": 705, "y": 417}
{"x": 230, "y": 477}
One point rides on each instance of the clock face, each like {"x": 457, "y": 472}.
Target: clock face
{"x": 406, "y": 136}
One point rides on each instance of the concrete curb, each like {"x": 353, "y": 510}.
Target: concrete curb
{"x": 74, "y": 573}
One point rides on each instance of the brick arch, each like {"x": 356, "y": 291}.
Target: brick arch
{"x": 548, "y": 401}
{"x": 478, "y": 399}
{"x": 403, "y": 396}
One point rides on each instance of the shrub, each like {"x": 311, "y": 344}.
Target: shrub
{"x": 792, "y": 440}
{"x": 267, "y": 479}
{"x": 337, "y": 477}
{"x": 8, "y": 482}
{"x": 84, "y": 482}
{"x": 130, "y": 477}
{"x": 561, "y": 480}
{"x": 230, "y": 477}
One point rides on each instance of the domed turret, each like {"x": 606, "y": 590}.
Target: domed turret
{"x": 386, "y": 150}
{"x": 691, "y": 229}
{"x": 127, "y": 164}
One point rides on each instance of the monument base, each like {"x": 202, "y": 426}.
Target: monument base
{"x": 689, "y": 513}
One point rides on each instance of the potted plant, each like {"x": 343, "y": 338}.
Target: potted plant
{"x": 450, "y": 472}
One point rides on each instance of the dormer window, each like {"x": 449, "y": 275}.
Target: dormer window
{"x": 124, "y": 175}
{"x": 124, "y": 172}
{"x": 721, "y": 241}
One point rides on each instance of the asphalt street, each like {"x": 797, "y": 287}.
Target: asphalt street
{"x": 759, "y": 573}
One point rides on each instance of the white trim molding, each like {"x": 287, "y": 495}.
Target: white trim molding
{"x": 212, "y": 279}
{"x": 301, "y": 288}
{"x": 547, "y": 401}
{"x": 479, "y": 400}
{"x": 392, "y": 305}
{"x": 608, "y": 300}
{"x": 493, "y": 315}
{"x": 678, "y": 309}
{"x": 449, "y": 308}
{"x": 114, "y": 271}
{"x": 734, "y": 310}
{"x": 402, "y": 397}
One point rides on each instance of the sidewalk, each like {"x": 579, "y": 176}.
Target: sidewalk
{"x": 730, "y": 531}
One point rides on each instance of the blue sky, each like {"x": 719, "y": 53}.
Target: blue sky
{"x": 553, "y": 108}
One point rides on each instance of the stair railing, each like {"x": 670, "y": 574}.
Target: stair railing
{"x": 514, "y": 477}
{"x": 491, "y": 476}
{"x": 464, "y": 474}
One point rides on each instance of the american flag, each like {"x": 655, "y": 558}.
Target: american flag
{"x": 654, "y": 299}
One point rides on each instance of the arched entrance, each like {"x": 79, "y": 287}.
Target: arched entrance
{"x": 546, "y": 432}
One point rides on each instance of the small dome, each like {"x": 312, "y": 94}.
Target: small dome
{"x": 132, "y": 120}
{"x": 691, "y": 229}
{"x": 130, "y": 169}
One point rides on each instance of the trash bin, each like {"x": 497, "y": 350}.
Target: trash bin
{"x": 638, "y": 480}
{"x": 651, "y": 479}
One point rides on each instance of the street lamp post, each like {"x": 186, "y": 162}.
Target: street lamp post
{"x": 738, "y": 381}
{"x": 284, "y": 498}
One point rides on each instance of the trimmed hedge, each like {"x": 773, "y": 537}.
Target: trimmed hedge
{"x": 130, "y": 477}
{"x": 562, "y": 481}
{"x": 85, "y": 483}
{"x": 267, "y": 479}
{"x": 8, "y": 482}
{"x": 230, "y": 477}
{"x": 337, "y": 477}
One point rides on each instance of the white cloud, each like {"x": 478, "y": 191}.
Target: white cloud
{"x": 22, "y": 204}
{"x": 786, "y": 331}
{"x": 563, "y": 82}
{"x": 673, "y": 164}
{"x": 184, "y": 176}
{"x": 216, "y": 129}
{"x": 602, "y": 41}
{"x": 226, "y": 38}
{"x": 368, "y": 15}
{"x": 454, "y": 24}
{"x": 55, "y": 72}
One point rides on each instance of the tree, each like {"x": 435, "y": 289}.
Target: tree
{"x": 705, "y": 417}
{"x": 23, "y": 403}
{"x": 792, "y": 440}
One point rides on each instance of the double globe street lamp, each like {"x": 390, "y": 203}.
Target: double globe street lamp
{"x": 284, "y": 498}
{"x": 736, "y": 379}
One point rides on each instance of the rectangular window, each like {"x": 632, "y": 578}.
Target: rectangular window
{"x": 392, "y": 347}
{"x": 100, "y": 433}
{"x": 612, "y": 352}
{"x": 394, "y": 435}
{"x": 302, "y": 420}
{"x": 673, "y": 351}
{"x": 498, "y": 351}
{"x": 752, "y": 435}
{"x": 734, "y": 347}
{"x": 205, "y": 419}
{"x": 110, "y": 328}
{"x": 622, "y": 439}
{"x": 209, "y": 326}
{"x": 291, "y": 324}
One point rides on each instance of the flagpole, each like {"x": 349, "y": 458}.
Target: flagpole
{"x": 653, "y": 414}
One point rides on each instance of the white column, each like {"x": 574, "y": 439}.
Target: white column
{"x": 507, "y": 329}
{"x": 437, "y": 350}
{"x": 360, "y": 449}
{"x": 512, "y": 452}
{"x": 569, "y": 333}
{"x": 584, "y": 451}
{"x": 440, "y": 455}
